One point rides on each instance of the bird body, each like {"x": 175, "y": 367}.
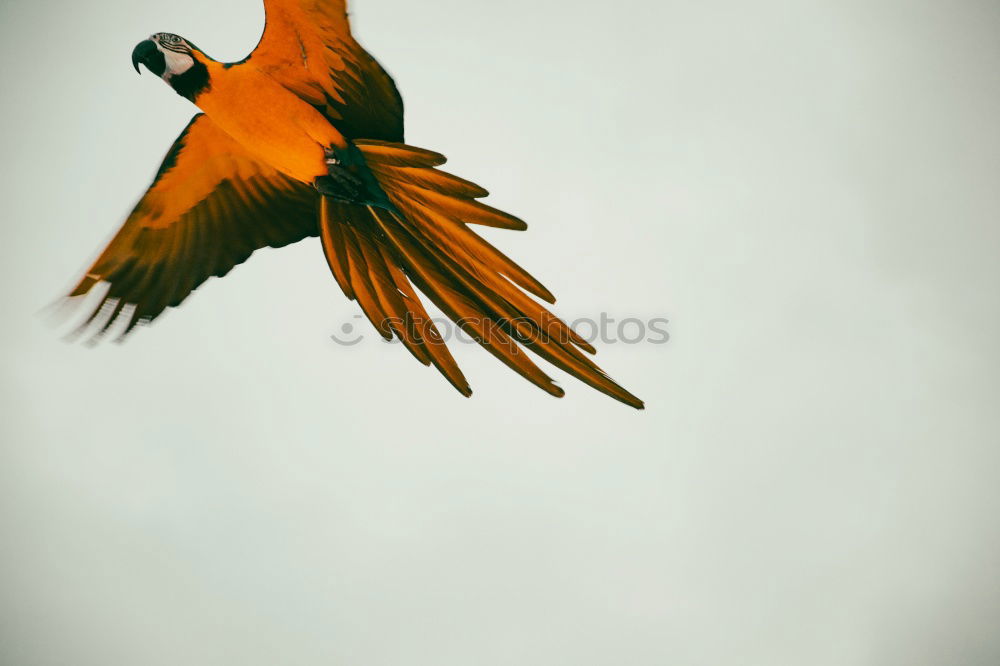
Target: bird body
{"x": 305, "y": 138}
{"x": 245, "y": 103}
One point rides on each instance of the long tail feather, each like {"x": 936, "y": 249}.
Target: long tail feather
{"x": 378, "y": 256}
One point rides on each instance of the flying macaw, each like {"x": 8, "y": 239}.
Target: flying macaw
{"x": 305, "y": 138}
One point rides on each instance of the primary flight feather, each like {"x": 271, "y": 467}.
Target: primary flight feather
{"x": 305, "y": 138}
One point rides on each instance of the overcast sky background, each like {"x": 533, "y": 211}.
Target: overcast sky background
{"x": 808, "y": 191}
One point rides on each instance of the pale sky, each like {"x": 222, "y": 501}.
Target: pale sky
{"x": 806, "y": 190}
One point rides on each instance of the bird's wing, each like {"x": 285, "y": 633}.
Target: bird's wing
{"x": 210, "y": 206}
{"x": 307, "y": 46}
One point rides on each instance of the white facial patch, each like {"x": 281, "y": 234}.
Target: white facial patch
{"x": 177, "y": 63}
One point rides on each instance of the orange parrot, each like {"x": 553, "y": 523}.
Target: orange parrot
{"x": 305, "y": 138}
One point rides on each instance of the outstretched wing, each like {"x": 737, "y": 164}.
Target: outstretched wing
{"x": 210, "y": 206}
{"x": 307, "y": 46}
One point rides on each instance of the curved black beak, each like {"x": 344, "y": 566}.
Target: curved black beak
{"x": 148, "y": 54}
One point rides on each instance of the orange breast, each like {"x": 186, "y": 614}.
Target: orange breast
{"x": 269, "y": 121}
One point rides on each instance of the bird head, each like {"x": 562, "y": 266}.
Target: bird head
{"x": 175, "y": 60}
